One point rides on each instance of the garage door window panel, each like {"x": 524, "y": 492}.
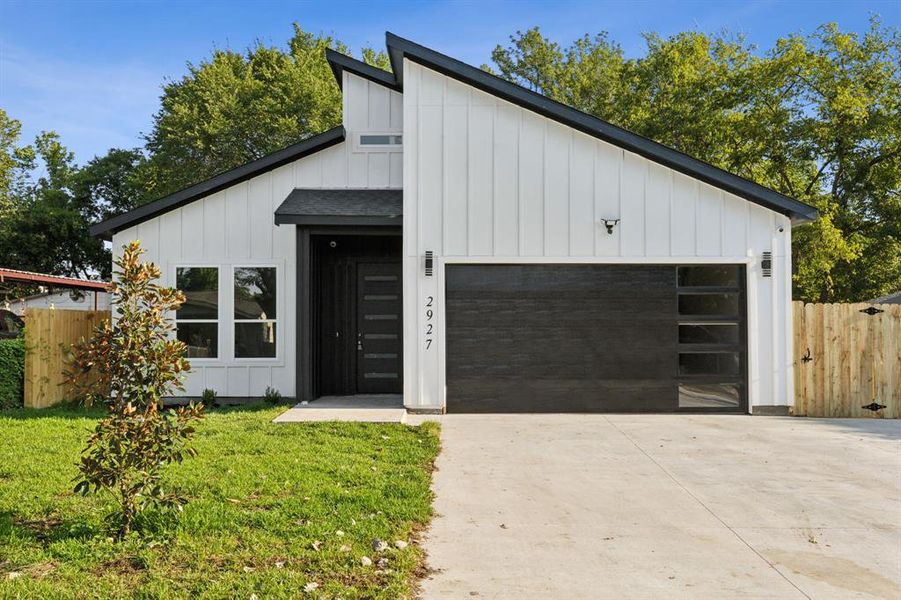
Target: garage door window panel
{"x": 712, "y": 339}
{"x": 709, "y": 396}
{"x": 708, "y": 304}
{"x": 709, "y": 363}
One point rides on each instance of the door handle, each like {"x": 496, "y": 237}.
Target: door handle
{"x": 359, "y": 342}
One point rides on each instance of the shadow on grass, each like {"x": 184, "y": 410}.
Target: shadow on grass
{"x": 47, "y": 529}
{"x": 73, "y": 410}
{"x": 153, "y": 524}
{"x": 69, "y": 410}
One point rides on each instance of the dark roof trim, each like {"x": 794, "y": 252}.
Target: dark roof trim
{"x": 400, "y": 48}
{"x": 332, "y": 220}
{"x": 311, "y": 145}
{"x": 341, "y": 62}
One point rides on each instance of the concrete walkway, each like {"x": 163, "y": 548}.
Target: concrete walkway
{"x": 367, "y": 408}
{"x": 654, "y": 506}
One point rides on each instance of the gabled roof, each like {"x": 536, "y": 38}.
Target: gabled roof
{"x": 311, "y": 145}
{"x": 306, "y": 206}
{"x": 341, "y": 62}
{"x": 400, "y": 48}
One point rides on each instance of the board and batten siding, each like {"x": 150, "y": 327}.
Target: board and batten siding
{"x": 235, "y": 227}
{"x": 488, "y": 181}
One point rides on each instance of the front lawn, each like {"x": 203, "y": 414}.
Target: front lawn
{"x": 276, "y": 511}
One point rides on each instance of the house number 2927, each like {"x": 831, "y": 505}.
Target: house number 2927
{"x": 429, "y": 326}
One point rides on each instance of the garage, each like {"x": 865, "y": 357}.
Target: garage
{"x": 595, "y": 338}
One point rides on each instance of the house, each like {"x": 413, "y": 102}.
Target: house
{"x": 894, "y": 298}
{"x": 54, "y": 291}
{"x": 477, "y": 247}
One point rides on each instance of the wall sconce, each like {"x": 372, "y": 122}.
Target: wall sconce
{"x": 609, "y": 224}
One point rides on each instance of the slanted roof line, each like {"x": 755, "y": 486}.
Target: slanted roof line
{"x": 341, "y": 62}
{"x": 400, "y": 48}
{"x": 311, "y": 145}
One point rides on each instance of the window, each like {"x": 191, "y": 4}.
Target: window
{"x": 255, "y": 312}
{"x": 711, "y": 340}
{"x": 708, "y": 275}
{"x": 709, "y": 304}
{"x": 379, "y": 142}
{"x": 714, "y": 395}
{"x": 197, "y": 321}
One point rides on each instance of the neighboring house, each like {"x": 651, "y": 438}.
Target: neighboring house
{"x": 67, "y": 293}
{"x": 890, "y": 299}
{"x": 479, "y": 247}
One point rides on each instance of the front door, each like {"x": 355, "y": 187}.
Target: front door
{"x": 379, "y": 328}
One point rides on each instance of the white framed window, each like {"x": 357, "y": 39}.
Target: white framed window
{"x": 378, "y": 141}
{"x": 255, "y": 312}
{"x": 197, "y": 320}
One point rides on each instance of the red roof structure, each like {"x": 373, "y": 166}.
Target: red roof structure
{"x": 54, "y": 281}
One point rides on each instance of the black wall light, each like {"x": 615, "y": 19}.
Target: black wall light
{"x": 609, "y": 224}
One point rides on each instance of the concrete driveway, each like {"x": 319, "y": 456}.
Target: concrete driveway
{"x": 660, "y": 506}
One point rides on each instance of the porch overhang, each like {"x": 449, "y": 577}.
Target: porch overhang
{"x": 342, "y": 207}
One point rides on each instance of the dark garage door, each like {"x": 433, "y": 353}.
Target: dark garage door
{"x": 595, "y": 338}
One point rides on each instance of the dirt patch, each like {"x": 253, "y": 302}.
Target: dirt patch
{"x": 41, "y": 529}
{"x": 124, "y": 565}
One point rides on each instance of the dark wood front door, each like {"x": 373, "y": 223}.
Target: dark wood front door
{"x": 379, "y": 328}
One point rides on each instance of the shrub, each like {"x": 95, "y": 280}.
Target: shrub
{"x": 272, "y": 395}
{"x": 130, "y": 365}
{"x": 12, "y": 373}
{"x": 208, "y": 398}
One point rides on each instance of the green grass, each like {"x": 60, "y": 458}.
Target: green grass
{"x": 262, "y": 495}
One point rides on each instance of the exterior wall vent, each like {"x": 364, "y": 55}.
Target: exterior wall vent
{"x": 766, "y": 264}
{"x": 429, "y": 263}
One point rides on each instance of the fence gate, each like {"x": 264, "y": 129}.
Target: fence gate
{"x": 847, "y": 360}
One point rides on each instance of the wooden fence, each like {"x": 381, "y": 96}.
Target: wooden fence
{"x": 49, "y": 335}
{"x": 846, "y": 359}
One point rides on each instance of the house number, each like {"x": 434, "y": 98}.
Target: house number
{"x": 429, "y": 315}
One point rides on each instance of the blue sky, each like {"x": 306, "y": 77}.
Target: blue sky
{"x": 92, "y": 69}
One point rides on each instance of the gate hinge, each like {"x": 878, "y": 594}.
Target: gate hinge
{"x": 871, "y": 310}
{"x": 874, "y": 406}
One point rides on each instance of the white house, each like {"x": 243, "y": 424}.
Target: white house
{"x": 476, "y": 246}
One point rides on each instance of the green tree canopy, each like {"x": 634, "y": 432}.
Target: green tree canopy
{"x": 44, "y": 224}
{"x": 816, "y": 117}
{"x": 235, "y": 107}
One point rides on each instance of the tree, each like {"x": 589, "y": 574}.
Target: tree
{"x": 235, "y": 107}
{"x": 130, "y": 365}
{"x": 112, "y": 184}
{"x": 228, "y": 110}
{"x": 817, "y": 118}
{"x": 45, "y": 225}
